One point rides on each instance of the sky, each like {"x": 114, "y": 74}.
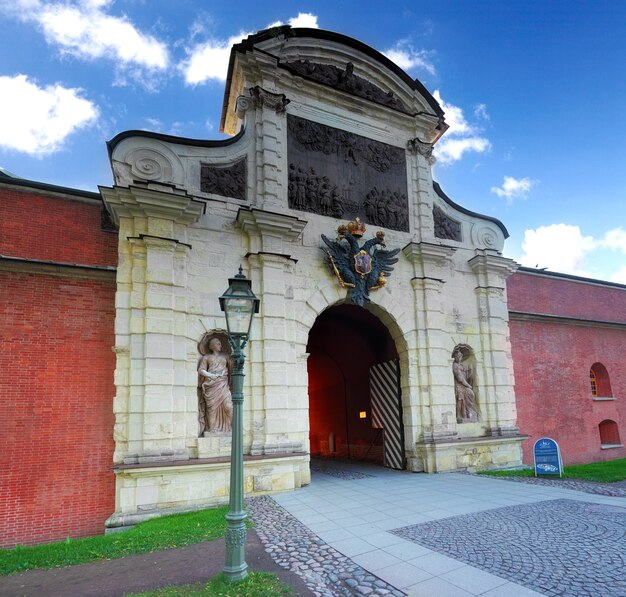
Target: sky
{"x": 534, "y": 93}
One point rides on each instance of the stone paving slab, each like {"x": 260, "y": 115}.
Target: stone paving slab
{"x": 557, "y": 547}
{"x": 325, "y": 571}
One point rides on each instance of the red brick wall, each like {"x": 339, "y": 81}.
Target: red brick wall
{"x": 52, "y": 228}
{"x": 56, "y": 375}
{"x": 552, "y": 362}
{"x": 559, "y": 296}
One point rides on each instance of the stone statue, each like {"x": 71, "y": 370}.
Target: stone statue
{"x": 216, "y": 408}
{"x": 466, "y": 405}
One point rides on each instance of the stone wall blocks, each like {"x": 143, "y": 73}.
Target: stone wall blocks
{"x": 159, "y": 300}
{"x": 276, "y": 378}
{"x": 158, "y": 377}
{"x": 157, "y": 403}
{"x": 159, "y": 326}
{"x": 332, "y": 294}
{"x": 138, "y": 299}
{"x": 317, "y": 304}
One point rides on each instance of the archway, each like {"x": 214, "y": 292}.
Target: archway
{"x": 355, "y": 408}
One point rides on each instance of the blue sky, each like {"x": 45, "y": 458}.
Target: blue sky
{"x": 535, "y": 93}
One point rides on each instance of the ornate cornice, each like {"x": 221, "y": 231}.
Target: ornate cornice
{"x": 267, "y": 223}
{"x": 263, "y": 98}
{"x": 491, "y": 268}
{"x": 138, "y": 202}
{"x": 417, "y": 146}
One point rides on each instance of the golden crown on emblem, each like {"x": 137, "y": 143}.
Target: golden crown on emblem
{"x": 355, "y": 228}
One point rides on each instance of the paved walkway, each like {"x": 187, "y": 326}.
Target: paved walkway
{"x": 461, "y": 535}
{"x": 365, "y": 530}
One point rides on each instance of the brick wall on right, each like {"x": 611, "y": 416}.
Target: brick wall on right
{"x": 560, "y": 328}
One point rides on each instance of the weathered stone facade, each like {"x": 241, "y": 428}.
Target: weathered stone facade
{"x": 178, "y": 245}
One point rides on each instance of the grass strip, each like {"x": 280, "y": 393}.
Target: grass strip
{"x": 256, "y": 584}
{"x": 609, "y": 471}
{"x": 177, "y": 530}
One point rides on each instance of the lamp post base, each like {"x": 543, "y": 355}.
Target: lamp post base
{"x": 236, "y": 568}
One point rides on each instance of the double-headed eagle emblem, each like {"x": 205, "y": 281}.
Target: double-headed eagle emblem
{"x": 359, "y": 268}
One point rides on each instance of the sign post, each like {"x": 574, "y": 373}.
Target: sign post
{"x": 548, "y": 459}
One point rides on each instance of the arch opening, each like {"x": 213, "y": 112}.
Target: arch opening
{"x": 599, "y": 380}
{"x": 355, "y": 408}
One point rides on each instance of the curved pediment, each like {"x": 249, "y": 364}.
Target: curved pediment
{"x": 331, "y": 60}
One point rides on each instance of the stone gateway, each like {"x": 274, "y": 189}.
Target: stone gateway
{"x": 325, "y": 130}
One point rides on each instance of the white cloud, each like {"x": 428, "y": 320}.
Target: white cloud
{"x": 84, "y": 30}
{"x": 208, "y": 60}
{"x": 558, "y": 247}
{"x": 615, "y": 239}
{"x": 37, "y": 120}
{"x": 514, "y": 188}
{"x": 450, "y": 150}
{"x": 305, "y": 20}
{"x": 460, "y": 138}
{"x": 563, "y": 248}
{"x": 480, "y": 111}
{"x": 407, "y": 57}
{"x": 619, "y": 276}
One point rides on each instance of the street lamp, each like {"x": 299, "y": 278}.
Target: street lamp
{"x": 239, "y": 305}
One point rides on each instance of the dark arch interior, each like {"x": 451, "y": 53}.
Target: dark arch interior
{"x": 344, "y": 343}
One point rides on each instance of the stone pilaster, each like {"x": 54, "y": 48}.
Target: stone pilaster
{"x": 155, "y": 405}
{"x": 270, "y": 125}
{"x": 436, "y": 406}
{"x": 420, "y": 161}
{"x": 279, "y": 407}
{"x": 497, "y": 385}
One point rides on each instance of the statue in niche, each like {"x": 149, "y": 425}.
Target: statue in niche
{"x": 464, "y": 386}
{"x": 214, "y": 396}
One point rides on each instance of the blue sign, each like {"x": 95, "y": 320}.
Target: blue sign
{"x": 547, "y": 457}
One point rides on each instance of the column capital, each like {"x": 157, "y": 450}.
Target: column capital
{"x": 491, "y": 268}
{"x": 143, "y": 202}
{"x": 274, "y": 101}
{"x": 429, "y": 259}
{"x": 272, "y": 229}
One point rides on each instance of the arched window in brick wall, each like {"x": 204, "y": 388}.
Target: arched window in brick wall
{"x": 600, "y": 383}
{"x": 609, "y": 433}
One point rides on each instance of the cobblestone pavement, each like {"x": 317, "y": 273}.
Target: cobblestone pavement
{"x": 339, "y": 473}
{"x": 557, "y": 547}
{"x": 611, "y": 489}
{"x": 293, "y": 546}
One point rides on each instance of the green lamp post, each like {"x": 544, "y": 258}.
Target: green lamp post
{"x": 239, "y": 305}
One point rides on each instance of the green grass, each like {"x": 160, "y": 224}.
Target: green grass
{"x": 609, "y": 471}
{"x": 167, "y": 532}
{"x": 256, "y": 584}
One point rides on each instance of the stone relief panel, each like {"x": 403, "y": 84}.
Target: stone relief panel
{"x": 226, "y": 181}
{"x": 446, "y": 227}
{"x": 343, "y": 175}
{"x": 465, "y": 389}
{"x": 345, "y": 80}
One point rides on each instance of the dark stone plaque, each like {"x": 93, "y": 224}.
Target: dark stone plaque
{"x": 445, "y": 226}
{"x": 342, "y": 175}
{"x": 345, "y": 80}
{"x": 227, "y": 181}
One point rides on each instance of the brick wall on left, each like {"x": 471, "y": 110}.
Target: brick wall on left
{"x": 56, "y": 369}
